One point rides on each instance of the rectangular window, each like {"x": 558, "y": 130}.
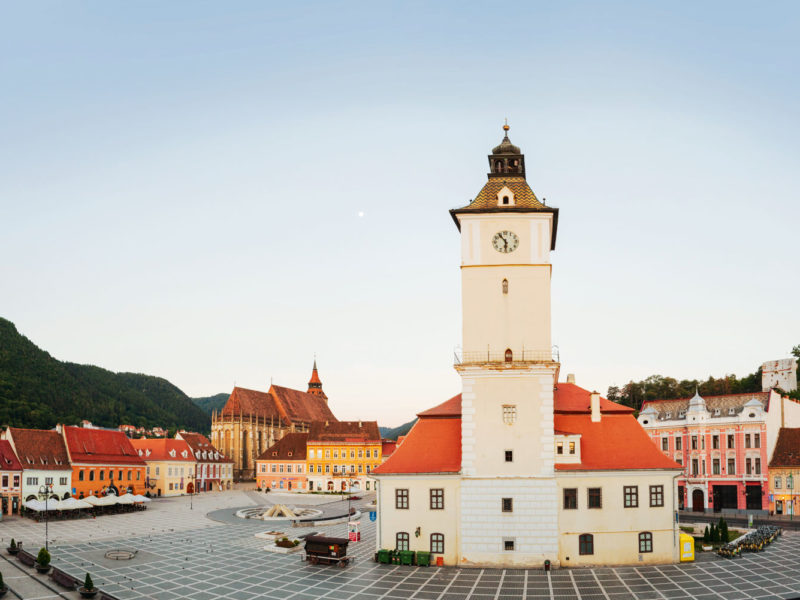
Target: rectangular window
{"x": 645, "y": 542}
{"x": 360, "y": 468}
{"x": 437, "y": 543}
{"x": 695, "y": 467}
{"x": 288, "y": 468}
{"x": 778, "y": 483}
{"x": 572, "y": 447}
{"x": 509, "y": 413}
{"x": 694, "y": 442}
{"x": 756, "y": 440}
{"x": 665, "y": 443}
{"x": 102, "y": 474}
{"x": 508, "y": 505}
{"x": 437, "y": 499}
{"x": 48, "y": 481}
{"x": 352, "y": 453}
{"x": 559, "y": 448}
{"x": 508, "y": 545}
{"x": 335, "y": 468}
{"x": 62, "y": 481}
{"x": 678, "y": 442}
{"x": 631, "y": 495}
{"x": 730, "y": 440}
{"x": 5, "y": 481}
{"x": 401, "y": 499}
{"x": 731, "y": 466}
{"x": 586, "y": 544}
{"x": 509, "y": 456}
{"x": 758, "y": 466}
{"x": 746, "y": 440}
{"x": 273, "y": 469}
{"x": 402, "y": 540}
{"x": 280, "y": 468}
{"x": 715, "y": 466}
{"x": 656, "y": 495}
{"x": 16, "y": 480}
{"x": 369, "y": 453}
{"x": 335, "y": 454}
{"x": 595, "y": 498}
{"x": 360, "y": 454}
{"x": 570, "y": 498}
{"x": 327, "y": 468}
{"x": 703, "y": 442}
{"x": 715, "y": 442}
{"x": 327, "y": 453}
{"x": 748, "y": 466}
{"x": 120, "y": 475}
{"x": 81, "y": 474}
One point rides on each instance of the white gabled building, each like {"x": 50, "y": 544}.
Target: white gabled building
{"x": 528, "y": 469}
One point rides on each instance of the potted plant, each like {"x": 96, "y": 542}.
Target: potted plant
{"x": 43, "y": 561}
{"x": 13, "y": 548}
{"x": 3, "y": 587}
{"x": 87, "y": 590}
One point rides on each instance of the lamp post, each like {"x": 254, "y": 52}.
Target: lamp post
{"x": 44, "y": 494}
{"x": 193, "y": 482}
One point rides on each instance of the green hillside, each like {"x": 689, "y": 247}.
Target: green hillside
{"x": 211, "y": 403}
{"x": 392, "y": 433}
{"x": 36, "y": 390}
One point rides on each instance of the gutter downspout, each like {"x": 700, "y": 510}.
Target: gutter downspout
{"x": 378, "y": 498}
{"x": 676, "y": 545}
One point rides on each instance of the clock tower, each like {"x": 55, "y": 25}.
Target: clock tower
{"x": 509, "y": 504}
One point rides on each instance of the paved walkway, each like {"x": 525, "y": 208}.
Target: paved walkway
{"x": 199, "y": 559}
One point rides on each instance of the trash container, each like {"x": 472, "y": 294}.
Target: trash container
{"x": 547, "y": 565}
{"x": 384, "y": 557}
{"x": 687, "y": 547}
{"x": 406, "y": 557}
{"x": 440, "y": 561}
{"x": 423, "y": 558}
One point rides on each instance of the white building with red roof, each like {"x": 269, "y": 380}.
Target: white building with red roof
{"x": 520, "y": 469}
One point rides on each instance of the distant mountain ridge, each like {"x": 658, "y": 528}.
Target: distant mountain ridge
{"x": 392, "y": 433}
{"x": 39, "y": 391}
{"x": 212, "y": 403}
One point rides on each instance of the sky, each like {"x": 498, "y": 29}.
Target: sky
{"x": 218, "y": 192}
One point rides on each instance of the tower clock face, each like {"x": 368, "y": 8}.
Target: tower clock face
{"x": 505, "y": 241}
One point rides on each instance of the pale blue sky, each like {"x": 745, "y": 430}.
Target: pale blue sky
{"x": 180, "y": 185}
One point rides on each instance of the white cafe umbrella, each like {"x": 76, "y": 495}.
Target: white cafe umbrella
{"x": 73, "y": 504}
{"x": 140, "y": 498}
{"x": 126, "y": 499}
{"x": 36, "y": 505}
{"x": 93, "y": 500}
{"x": 109, "y": 500}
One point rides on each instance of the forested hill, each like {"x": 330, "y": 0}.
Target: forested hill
{"x": 212, "y": 403}
{"x": 36, "y": 390}
{"x": 392, "y": 433}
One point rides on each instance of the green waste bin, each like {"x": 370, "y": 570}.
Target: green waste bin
{"x": 423, "y": 558}
{"x": 384, "y": 557}
{"x": 406, "y": 557}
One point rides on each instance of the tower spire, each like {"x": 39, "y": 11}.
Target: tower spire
{"x": 315, "y": 384}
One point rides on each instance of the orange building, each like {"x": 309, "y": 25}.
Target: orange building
{"x": 103, "y": 461}
{"x": 282, "y": 465}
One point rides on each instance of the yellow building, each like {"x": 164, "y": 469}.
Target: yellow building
{"x": 784, "y": 472}
{"x": 171, "y": 466}
{"x": 342, "y": 454}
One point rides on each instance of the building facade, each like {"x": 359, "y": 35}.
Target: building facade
{"x": 45, "y": 462}
{"x": 513, "y": 471}
{"x": 282, "y": 466}
{"x": 784, "y": 473}
{"x": 214, "y": 471}
{"x": 723, "y": 444}
{"x": 252, "y": 421}
{"x": 10, "y": 480}
{"x": 103, "y": 462}
{"x": 342, "y": 454}
{"x": 170, "y": 466}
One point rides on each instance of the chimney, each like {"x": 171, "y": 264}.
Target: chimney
{"x": 571, "y": 378}
{"x": 595, "y": 407}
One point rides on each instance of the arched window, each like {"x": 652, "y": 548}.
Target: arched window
{"x": 402, "y": 540}
{"x": 586, "y": 544}
{"x": 509, "y": 355}
{"x": 81, "y": 476}
{"x": 437, "y": 543}
{"x": 498, "y": 166}
{"x": 645, "y": 542}
{"x": 505, "y": 200}
{"x": 505, "y": 286}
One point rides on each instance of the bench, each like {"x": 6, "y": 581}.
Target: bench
{"x": 26, "y": 558}
{"x": 64, "y": 579}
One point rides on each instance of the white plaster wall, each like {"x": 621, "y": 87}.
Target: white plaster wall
{"x": 58, "y": 489}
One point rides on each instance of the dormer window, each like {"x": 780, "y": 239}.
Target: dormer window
{"x": 682, "y": 413}
{"x": 668, "y": 415}
{"x": 717, "y": 412}
{"x": 731, "y": 411}
{"x": 290, "y": 453}
{"x": 505, "y": 197}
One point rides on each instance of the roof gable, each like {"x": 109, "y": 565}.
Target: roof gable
{"x": 8, "y": 459}
{"x": 39, "y": 449}
{"x": 292, "y": 446}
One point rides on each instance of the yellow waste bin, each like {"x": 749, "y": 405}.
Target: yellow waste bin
{"x": 687, "y": 547}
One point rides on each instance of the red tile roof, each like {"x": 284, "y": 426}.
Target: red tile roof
{"x": 100, "y": 446}
{"x": 279, "y": 403}
{"x": 787, "y": 448}
{"x": 200, "y": 443}
{"x": 8, "y": 459}
{"x": 160, "y": 449}
{"x": 344, "y": 431}
{"x": 292, "y": 446}
{"x": 616, "y": 443}
{"x": 388, "y": 447}
{"x": 449, "y": 408}
{"x": 39, "y": 449}
{"x": 569, "y": 398}
{"x": 432, "y": 446}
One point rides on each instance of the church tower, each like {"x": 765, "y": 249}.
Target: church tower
{"x": 509, "y": 504}
{"x": 315, "y": 384}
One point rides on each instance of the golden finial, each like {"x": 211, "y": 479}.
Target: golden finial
{"x": 506, "y": 127}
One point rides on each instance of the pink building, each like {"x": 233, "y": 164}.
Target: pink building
{"x": 724, "y": 444}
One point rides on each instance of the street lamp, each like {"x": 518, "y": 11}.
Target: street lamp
{"x": 44, "y": 494}
{"x": 193, "y": 483}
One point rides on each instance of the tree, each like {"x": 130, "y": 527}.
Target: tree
{"x": 723, "y": 530}
{"x": 706, "y": 536}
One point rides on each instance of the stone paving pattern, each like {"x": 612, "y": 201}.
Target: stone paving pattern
{"x": 206, "y": 553}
